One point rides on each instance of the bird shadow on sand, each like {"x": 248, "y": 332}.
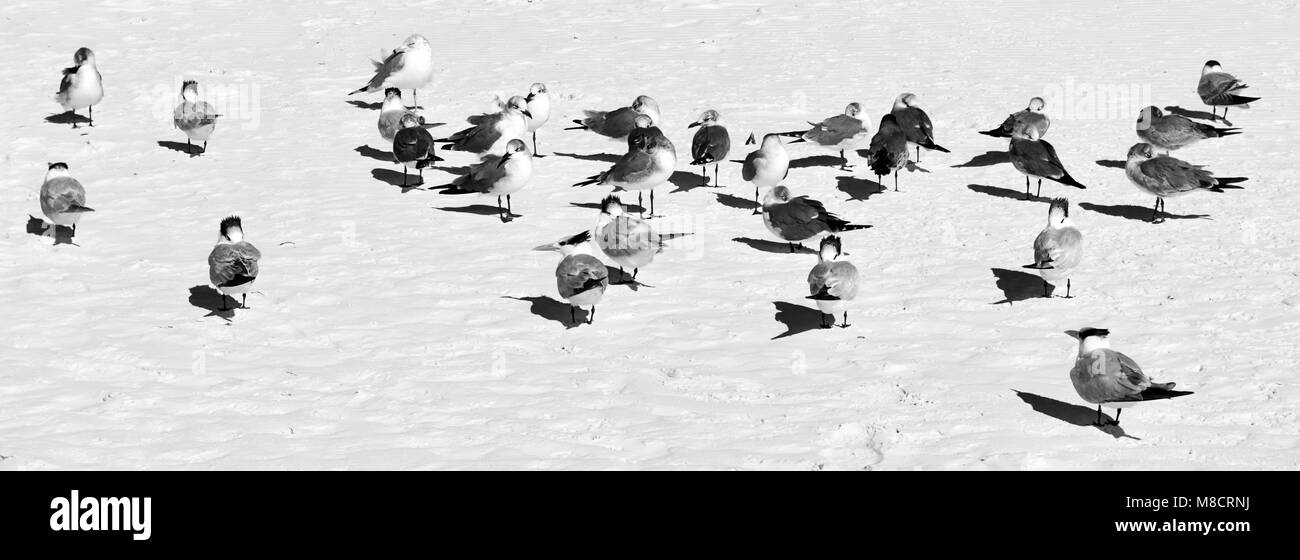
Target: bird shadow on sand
{"x": 394, "y": 178}
{"x": 797, "y": 318}
{"x": 609, "y": 158}
{"x": 375, "y": 106}
{"x": 815, "y": 161}
{"x": 551, "y": 309}
{"x": 1139, "y": 213}
{"x": 68, "y": 118}
{"x": 481, "y": 210}
{"x": 858, "y": 188}
{"x": 62, "y": 234}
{"x": 1072, "y": 413}
{"x": 1111, "y": 163}
{"x": 773, "y": 246}
{"x": 206, "y": 298}
{"x": 1194, "y": 114}
{"x": 1017, "y": 285}
{"x": 191, "y": 149}
{"x": 632, "y": 208}
{"x": 372, "y": 153}
{"x": 619, "y": 277}
{"x": 739, "y": 203}
{"x": 987, "y": 159}
{"x": 1005, "y": 193}
{"x": 686, "y": 181}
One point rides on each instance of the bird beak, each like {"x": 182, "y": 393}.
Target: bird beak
{"x": 547, "y": 247}
{"x": 527, "y": 114}
{"x": 528, "y": 97}
{"x": 693, "y": 125}
{"x": 1073, "y": 334}
{"x": 504, "y": 159}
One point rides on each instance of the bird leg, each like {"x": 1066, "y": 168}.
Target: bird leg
{"x": 509, "y": 211}
{"x": 535, "y": 154}
{"x": 642, "y": 205}
{"x": 715, "y": 175}
{"x": 91, "y": 110}
{"x": 1118, "y": 411}
{"x": 1026, "y": 187}
{"x": 1040, "y": 188}
{"x": 704, "y": 175}
{"x": 1046, "y": 291}
{"x": 1099, "y": 422}
{"x": 592, "y": 317}
{"x": 573, "y": 318}
{"x": 403, "y": 175}
{"x": 652, "y": 203}
{"x": 844, "y": 162}
{"x": 918, "y": 154}
{"x": 244, "y": 304}
{"x": 846, "y": 320}
{"x": 205, "y": 147}
{"x": 223, "y": 304}
{"x": 634, "y": 273}
{"x": 1155, "y": 211}
{"x": 895, "y": 180}
{"x": 1067, "y": 288}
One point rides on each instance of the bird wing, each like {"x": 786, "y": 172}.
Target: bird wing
{"x": 749, "y": 169}
{"x": 627, "y": 235}
{"x": 1217, "y": 85}
{"x": 1105, "y": 375}
{"x": 1176, "y": 174}
{"x": 631, "y": 165}
{"x": 579, "y": 273}
{"x": 383, "y": 70}
{"x": 711, "y": 143}
{"x": 834, "y": 130}
{"x": 1037, "y": 157}
{"x": 229, "y": 261}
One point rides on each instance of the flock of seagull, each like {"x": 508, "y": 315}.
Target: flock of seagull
{"x": 1100, "y": 375}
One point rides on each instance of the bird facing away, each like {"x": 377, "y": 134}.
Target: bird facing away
{"x": 492, "y": 131}
{"x": 580, "y": 277}
{"x": 233, "y": 262}
{"x": 1221, "y": 89}
{"x": 1172, "y": 132}
{"x": 413, "y": 146}
{"x": 63, "y": 199}
{"x": 619, "y": 122}
{"x": 81, "y": 86}
{"x": 1108, "y": 378}
{"x": 197, "y": 119}
{"x": 1164, "y": 176}
{"x": 390, "y": 114}
{"x": 539, "y": 110}
{"x": 410, "y": 66}
{"x": 839, "y": 132}
{"x": 1020, "y": 122}
{"x": 888, "y": 151}
{"x": 795, "y": 219}
{"x": 832, "y": 283}
{"x": 1037, "y": 158}
{"x": 767, "y": 166}
{"x": 627, "y": 240}
{"x": 500, "y": 175}
{"x": 1058, "y": 248}
{"x": 915, "y": 123}
{"x": 648, "y": 163}
{"x": 711, "y": 144}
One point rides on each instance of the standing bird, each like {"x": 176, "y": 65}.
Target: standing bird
{"x": 1108, "y": 378}
{"x": 63, "y": 199}
{"x": 413, "y": 146}
{"x": 539, "y": 110}
{"x": 82, "y": 85}
{"x": 1020, "y": 122}
{"x": 619, "y": 122}
{"x": 767, "y": 166}
{"x": 197, "y": 119}
{"x": 1037, "y": 158}
{"x": 1058, "y": 248}
{"x": 839, "y": 132}
{"x": 648, "y": 163}
{"x": 1164, "y": 176}
{"x": 1219, "y": 89}
{"x": 409, "y": 66}
{"x": 799, "y": 218}
{"x": 833, "y": 283}
{"x": 492, "y": 131}
{"x": 710, "y": 145}
{"x": 233, "y": 263}
{"x": 888, "y": 151}
{"x": 1172, "y": 132}
{"x": 581, "y": 277}
{"x": 627, "y": 240}
{"x": 500, "y": 175}
{"x": 915, "y": 124}
{"x": 391, "y": 113}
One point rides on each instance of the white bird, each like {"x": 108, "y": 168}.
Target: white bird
{"x": 1172, "y": 132}
{"x": 500, "y": 175}
{"x": 795, "y": 219}
{"x": 539, "y": 110}
{"x": 1220, "y": 89}
{"x": 413, "y": 146}
{"x": 233, "y": 262}
{"x": 1037, "y": 158}
{"x": 838, "y": 132}
{"x": 1164, "y": 176}
{"x": 710, "y": 145}
{"x": 197, "y": 119}
{"x": 1108, "y": 378}
{"x": 82, "y": 85}
{"x": 627, "y": 240}
{"x": 619, "y": 122}
{"x": 648, "y": 163}
{"x": 492, "y": 131}
{"x": 63, "y": 199}
{"x": 391, "y": 113}
{"x": 915, "y": 123}
{"x": 1058, "y": 249}
{"x": 580, "y": 277}
{"x": 767, "y": 166}
{"x": 410, "y": 66}
{"x": 1020, "y": 122}
{"x": 832, "y": 283}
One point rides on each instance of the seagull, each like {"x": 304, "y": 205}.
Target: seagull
{"x": 888, "y": 151}
{"x": 799, "y": 218}
{"x": 833, "y": 283}
{"x": 539, "y": 110}
{"x": 1037, "y": 158}
{"x": 915, "y": 124}
{"x": 63, "y": 199}
{"x": 233, "y": 263}
{"x": 1172, "y": 132}
{"x": 839, "y": 132}
{"x": 767, "y": 166}
{"x": 627, "y": 240}
{"x": 196, "y": 118}
{"x": 1164, "y": 176}
{"x": 492, "y": 131}
{"x": 1219, "y": 89}
{"x": 501, "y": 175}
{"x": 1021, "y": 121}
{"x": 710, "y": 145}
{"x": 413, "y": 146}
{"x": 390, "y": 115}
{"x": 1108, "y": 378}
{"x": 1058, "y": 248}
{"x": 619, "y": 122}
{"x": 648, "y": 163}
{"x": 409, "y": 66}
{"x": 82, "y": 85}
{"x": 581, "y": 277}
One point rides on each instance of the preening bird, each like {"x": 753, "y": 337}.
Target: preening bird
{"x": 795, "y": 219}
{"x": 1172, "y": 132}
{"x": 915, "y": 124}
{"x": 82, "y": 85}
{"x": 1021, "y": 122}
{"x": 619, "y": 122}
{"x": 410, "y": 66}
{"x": 833, "y": 282}
{"x": 627, "y": 240}
{"x": 1164, "y": 176}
